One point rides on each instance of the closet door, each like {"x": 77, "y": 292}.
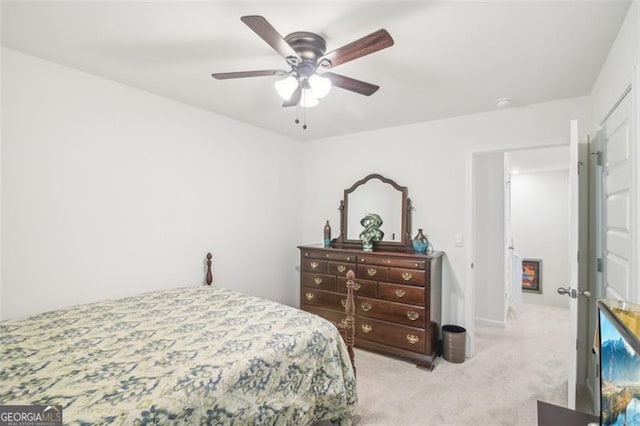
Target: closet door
{"x": 618, "y": 204}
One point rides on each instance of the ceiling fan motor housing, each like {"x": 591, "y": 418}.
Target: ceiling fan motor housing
{"x": 308, "y": 46}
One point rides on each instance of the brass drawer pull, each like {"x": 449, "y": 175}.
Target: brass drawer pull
{"x": 348, "y": 258}
{"x": 317, "y": 280}
{"x": 406, "y": 276}
{"x": 413, "y": 339}
{"x": 400, "y": 292}
{"x": 343, "y": 322}
{"x": 314, "y": 265}
{"x": 366, "y": 328}
{"x": 309, "y": 295}
{"x": 343, "y": 302}
{"x": 372, "y": 272}
{"x": 306, "y": 255}
{"x": 413, "y": 315}
{"x": 356, "y": 286}
{"x": 366, "y": 306}
{"x": 341, "y": 268}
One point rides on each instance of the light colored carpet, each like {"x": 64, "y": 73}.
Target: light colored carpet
{"x": 513, "y": 368}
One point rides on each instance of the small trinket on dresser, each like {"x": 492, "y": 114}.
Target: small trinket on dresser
{"x": 371, "y": 232}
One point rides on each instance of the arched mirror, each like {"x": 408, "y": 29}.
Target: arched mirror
{"x": 383, "y": 197}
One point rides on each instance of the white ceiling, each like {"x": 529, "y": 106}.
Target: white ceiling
{"x": 450, "y": 58}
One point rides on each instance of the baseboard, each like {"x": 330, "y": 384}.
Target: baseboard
{"x": 490, "y": 323}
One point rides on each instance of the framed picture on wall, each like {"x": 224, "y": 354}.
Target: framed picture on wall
{"x": 532, "y": 275}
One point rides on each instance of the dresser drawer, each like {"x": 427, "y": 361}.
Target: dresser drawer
{"x": 319, "y": 281}
{"x": 401, "y": 293}
{"x": 410, "y": 338}
{"x": 315, "y": 265}
{"x": 362, "y": 287}
{"x": 324, "y": 299}
{"x": 372, "y": 272}
{"x": 391, "y": 261}
{"x": 327, "y": 254}
{"x": 391, "y": 311}
{"x": 407, "y": 276}
{"x": 341, "y": 268}
{"x": 334, "y": 316}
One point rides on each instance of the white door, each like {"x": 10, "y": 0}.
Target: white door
{"x": 618, "y": 203}
{"x": 573, "y": 263}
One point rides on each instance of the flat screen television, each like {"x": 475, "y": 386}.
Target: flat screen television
{"x": 619, "y": 348}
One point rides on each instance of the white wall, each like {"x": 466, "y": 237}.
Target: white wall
{"x": 109, "y": 191}
{"x": 540, "y": 225}
{"x": 431, "y": 159}
{"x": 489, "y": 242}
{"x": 616, "y": 73}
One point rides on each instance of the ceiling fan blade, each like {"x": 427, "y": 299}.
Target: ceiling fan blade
{"x": 244, "y": 74}
{"x": 364, "y": 46}
{"x": 265, "y": 30}
{"x": 295, "y": 97}
{"x": 351, "y": 84}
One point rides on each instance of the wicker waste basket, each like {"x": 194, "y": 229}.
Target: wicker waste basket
{"x": 453, "y": 343}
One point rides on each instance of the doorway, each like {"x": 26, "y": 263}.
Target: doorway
{"x": 520, "y": 202}
{"x": 539, "y": 181}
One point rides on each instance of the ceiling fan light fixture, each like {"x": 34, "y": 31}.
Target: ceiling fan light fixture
{"x": 308, "y": 99}
{"x": 319, "y": 85}
{"x": 286, "y": 87}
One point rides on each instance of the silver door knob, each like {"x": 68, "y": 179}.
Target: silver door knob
{"x": 573, "y": 293}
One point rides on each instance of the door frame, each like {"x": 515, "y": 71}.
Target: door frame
{"x": 595, "y": 277}
{"x": 508, "y": 235}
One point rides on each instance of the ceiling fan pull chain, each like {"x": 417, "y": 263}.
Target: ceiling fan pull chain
{"x": 304, "y": 116}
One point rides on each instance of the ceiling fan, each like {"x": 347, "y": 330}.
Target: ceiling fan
{"x": 305, "y": 53}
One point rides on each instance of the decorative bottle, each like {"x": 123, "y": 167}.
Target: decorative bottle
{"x": 327, "y": 235}
{"x": 420, "y": 242}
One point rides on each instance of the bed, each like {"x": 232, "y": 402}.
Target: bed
{"x": 196, "y": 355}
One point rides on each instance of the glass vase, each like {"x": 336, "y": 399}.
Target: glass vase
{"x": 327, "y": 235}
{"x": 420, "y": 242}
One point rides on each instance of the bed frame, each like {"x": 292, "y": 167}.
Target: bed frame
{"x": 347, "y": 327}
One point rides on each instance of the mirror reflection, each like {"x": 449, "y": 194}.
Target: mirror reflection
{"x": 377, "y": 197}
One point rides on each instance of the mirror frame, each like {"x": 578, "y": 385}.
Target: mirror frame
{"x": 405, "y": 235}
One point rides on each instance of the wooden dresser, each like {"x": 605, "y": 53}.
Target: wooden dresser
{"x": 398, "y": 297}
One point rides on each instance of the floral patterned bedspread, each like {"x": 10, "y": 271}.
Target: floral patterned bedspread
{"x": 198, "y": 355}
